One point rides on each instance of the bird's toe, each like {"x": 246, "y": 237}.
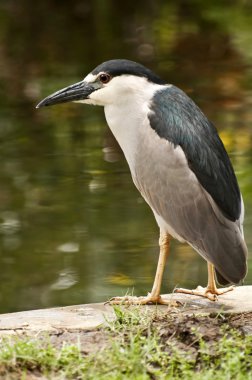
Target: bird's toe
{"x": 209, "y": 293}
{"x": 148, "y": 300}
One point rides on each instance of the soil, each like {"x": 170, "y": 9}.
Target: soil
{"x": 184, "y": 330}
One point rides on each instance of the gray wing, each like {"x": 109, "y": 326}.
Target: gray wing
{"x": 184, "y": 209}
{"x": 176, "y": 118}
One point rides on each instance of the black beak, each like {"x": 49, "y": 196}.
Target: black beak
{"x": 77, "y": 91}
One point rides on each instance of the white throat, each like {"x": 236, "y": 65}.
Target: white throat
{"x": 127, "y": 115}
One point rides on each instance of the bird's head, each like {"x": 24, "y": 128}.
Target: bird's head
{"x": 108, "y": 83}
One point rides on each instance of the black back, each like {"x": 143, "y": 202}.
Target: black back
{"x": 117, "y": 67}
{"x": 176, "y": 118}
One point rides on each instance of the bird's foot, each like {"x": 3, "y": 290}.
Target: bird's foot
{"x": 211, "y": 294}
{"x": 148, "y": 300}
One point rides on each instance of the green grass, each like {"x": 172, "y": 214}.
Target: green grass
{"x": 139, "y": 349}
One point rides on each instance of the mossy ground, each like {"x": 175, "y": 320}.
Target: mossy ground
{"x": 140, "y": 344}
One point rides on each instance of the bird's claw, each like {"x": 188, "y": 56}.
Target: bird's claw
{"x": 148, "y": 300}
{"x": 211, "y": 294}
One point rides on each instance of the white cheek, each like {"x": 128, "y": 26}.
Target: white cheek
{"x": 102, "y": 97}
{"x": 90, "y": 78}
{"x": 86, "y": 101}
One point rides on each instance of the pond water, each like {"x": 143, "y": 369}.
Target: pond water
{"x": 73, "y": 229}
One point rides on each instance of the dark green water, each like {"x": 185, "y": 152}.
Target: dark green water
{"x": 73, "y": 228}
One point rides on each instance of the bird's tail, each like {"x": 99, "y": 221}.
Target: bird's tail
{"x": 233, "y": 269}
{"x": 226, "y": 247}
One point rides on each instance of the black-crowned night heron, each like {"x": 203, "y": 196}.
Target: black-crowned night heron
{"x": 179, "y": 165}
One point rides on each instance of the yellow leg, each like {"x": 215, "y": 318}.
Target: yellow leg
{"x": 154, "y": 296}
{"x": 211, "y": 292}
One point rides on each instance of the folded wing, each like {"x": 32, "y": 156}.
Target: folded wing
{"x": 193, "y": 189}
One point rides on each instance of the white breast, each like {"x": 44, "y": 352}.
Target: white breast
{"x": 128, "y": 116}
{"x": 127, "y": 129}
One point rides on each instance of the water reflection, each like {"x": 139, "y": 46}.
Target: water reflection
{"x": 73, "y": 228}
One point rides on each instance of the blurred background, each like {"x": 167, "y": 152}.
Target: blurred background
{"x": 73, "y": 229}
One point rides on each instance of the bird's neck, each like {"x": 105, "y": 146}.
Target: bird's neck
{"x": 127, "y": 117}
{"x": 127, "y": 123}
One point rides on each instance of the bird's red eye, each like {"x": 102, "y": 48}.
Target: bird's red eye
{"x": 104, "y": 78}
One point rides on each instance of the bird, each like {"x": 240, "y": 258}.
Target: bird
{"x": 179, "y": 165}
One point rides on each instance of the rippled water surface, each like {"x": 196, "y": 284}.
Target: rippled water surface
{"x": 73, "y": 228}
